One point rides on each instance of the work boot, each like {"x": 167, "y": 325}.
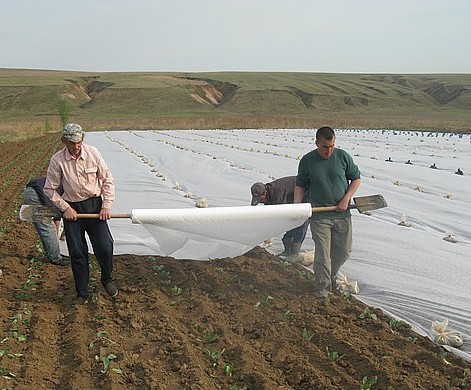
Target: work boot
{"x": 295, "y": 248}
{"x": 287, "y": 243}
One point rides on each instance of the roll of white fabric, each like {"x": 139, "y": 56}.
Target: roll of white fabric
{"x": 218, "y": 232}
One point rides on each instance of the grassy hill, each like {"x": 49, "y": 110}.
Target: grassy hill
{"x": 29, "y": 100}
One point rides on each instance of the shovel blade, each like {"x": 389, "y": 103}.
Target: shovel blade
{"x": 369, "y": 203}
{"x": 36, "y": 213}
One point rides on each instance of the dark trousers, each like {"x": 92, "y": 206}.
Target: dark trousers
{"x": 298, "y": 234}
{"x": 100, "y": 238}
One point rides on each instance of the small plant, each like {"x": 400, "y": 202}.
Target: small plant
{"x": 366, "y": 382}
{"x": 395, "y": 324}
{"x": 235, "y": 387}
{"x": 228, "y": 369}
{"x": 306, "y": 335}
{"x": 100, "y": 318}
{"x": 16, "y": 334}
{"x": 290, "y": 314}
{"x": 346, "y": 295}
{"x": 265, "y": 301}
{"x": 442, "y": 356}
{"x": 334, "y": 356}
{"x": 6, "y": 373}
{"x": 235, "y": 278}
{"x": 7, "y": 352}
{"x": 249, "y": 288}
{"x": 213, "y": 356}
{"x": 177, "y": 290}
{"x": 412, "y": 340}
{"x": 210, "y": 337}
{"x": 466, "y": 377}
{"x": 367, "y": 313}
{"x": 105, "y": 359}
{"x": 102, "y": 336}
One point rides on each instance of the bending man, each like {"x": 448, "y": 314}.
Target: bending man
{"x": 281, "y": 191}
{"x": 47, "y": 230}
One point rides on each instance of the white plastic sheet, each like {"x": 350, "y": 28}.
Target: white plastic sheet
{"x": 207, "y": 233}
{"x": 410, "y": 272}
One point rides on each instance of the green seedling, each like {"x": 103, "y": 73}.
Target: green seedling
{"x": 290, "y": 314}
{"x": 235, "y": 387}
{"x": 105, "y": 361}
{"x": 158, "y": 268}
{"x": 210, "y": 337}
{"x": 395, "y": 324}
{"x": 197, "y": 327}
{"x": 346, "y": 295}
{"x": 466, "y": 377}
{"x": 249, "y": 288}
{"x": 177, "y": 290}
{"x": 412, "y": 340}
{"x": 228, "y": 369}
{"x": 366, "y": 382}
{"x": 101, "y": 335}
{"x": 285, "y": 263}
{"x": 235, "y": 278}
{"x": 7, "y": 352}
{"x": 334, "y": 356}
{"x": 100, "y": 318}
{"x": 213, "y": 356}
{"x": 442, "y": 356}
{"x": 265, "y": 301}
{"x": 367, "y": 313}
{"x": 6, "y": 373}
{"x": 306, "y": 335}
{"x": 18, "y": 336}
{"x": 307, "y": 275}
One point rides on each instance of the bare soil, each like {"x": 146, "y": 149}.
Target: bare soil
{"x": 244, "y": 323}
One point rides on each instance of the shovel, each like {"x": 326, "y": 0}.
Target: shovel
{"x": 41, "y": 213}
{"x": 363, "y": 204}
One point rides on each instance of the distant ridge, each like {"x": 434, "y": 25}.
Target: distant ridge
{"x": 236, "y": 99}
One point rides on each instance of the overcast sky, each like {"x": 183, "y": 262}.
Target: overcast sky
{"x": 394, "y": 36}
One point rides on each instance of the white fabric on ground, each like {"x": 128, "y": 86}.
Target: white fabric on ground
{"x": 410, "y": 271}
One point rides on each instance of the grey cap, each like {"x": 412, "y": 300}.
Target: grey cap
{"x": 72, "y": 132}
{"x": 257, "y": 191}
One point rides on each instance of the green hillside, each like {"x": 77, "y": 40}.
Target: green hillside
{"x": 29, "y": 100}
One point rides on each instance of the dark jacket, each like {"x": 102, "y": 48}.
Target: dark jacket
{"x": 281, "y": 191}
{"x": 38, "y": 185}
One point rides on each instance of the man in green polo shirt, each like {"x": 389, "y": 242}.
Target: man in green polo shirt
{"x": 330, "y": 177}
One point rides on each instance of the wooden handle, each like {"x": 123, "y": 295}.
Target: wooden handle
{"x": 329, "y": 208}
{"x": 123, "y": 215}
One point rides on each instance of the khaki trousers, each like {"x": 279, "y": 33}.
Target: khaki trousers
{"x": 333, "y": 245}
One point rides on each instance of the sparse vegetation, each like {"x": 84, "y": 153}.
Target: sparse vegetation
{"x": 230, "y": 100}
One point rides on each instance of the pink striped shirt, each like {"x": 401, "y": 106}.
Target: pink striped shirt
{"x": 82, "y": 178}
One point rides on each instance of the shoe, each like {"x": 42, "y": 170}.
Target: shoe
{"x": 110, "y": 289}
{"x": 65, "y": 260}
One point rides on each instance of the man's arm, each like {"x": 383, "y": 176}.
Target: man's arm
{"x": 299, "y": 194}
{"x": 345, "y": 202}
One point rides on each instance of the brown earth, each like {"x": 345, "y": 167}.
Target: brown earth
{"x": 244, "y": 323}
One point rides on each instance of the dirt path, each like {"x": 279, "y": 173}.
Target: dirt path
{"x": 243, "y": 323}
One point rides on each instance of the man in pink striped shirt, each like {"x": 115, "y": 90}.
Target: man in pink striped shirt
{"x": 89, "y": 189}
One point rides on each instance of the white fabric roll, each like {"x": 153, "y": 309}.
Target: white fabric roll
{"x": 218, "y": 232}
